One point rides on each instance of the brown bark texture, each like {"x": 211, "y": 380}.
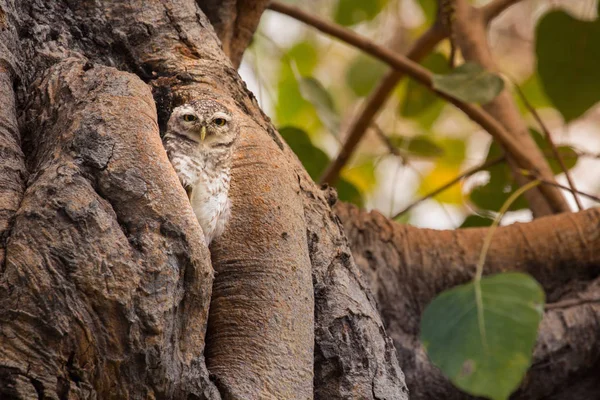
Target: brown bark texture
{"x": 234, "y": 21}
{"x": 106, "y": 288}
{"x": 407, "y": 267}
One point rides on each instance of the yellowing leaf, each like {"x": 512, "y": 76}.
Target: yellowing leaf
{"x": 441, "y": 174}
{"x": 361, "y": 175}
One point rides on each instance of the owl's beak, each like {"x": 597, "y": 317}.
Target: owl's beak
{"x": 203, "y": 133}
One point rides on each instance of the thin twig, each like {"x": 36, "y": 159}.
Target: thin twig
{"x": 451, "y": 183}
{"x": 530, "y": 175}
{"x": 571, "y": 303}
{"x": 495, "y": 8}
{"x": 390, "y": 146}
{"x": 375, "y": 102}
{"x": 555, "y": 151}
{"x": 421, "y": 75}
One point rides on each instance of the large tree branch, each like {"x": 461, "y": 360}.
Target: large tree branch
{"x": 511, "y": 142}
{"x": 406, "y": 267}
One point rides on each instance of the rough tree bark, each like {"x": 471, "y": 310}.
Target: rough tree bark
{"x": 106, "y": 283}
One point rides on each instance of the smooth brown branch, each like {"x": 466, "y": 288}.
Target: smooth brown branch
{"x": 495, "y": 8}
{"x": 548, "y": 136}
{"x": 423, "y": 76}
{"x": 451, "y": 183}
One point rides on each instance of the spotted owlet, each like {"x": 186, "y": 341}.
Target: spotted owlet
{"x": 199, "y": 142}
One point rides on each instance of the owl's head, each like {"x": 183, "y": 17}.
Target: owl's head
{"x": 206, "y": 122}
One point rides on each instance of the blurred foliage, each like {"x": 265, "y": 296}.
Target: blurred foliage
{"x": 502, "y": 184}
{"x": 470, "y": 83}
{"x": 316, "y": 160}
{"x": 421, "y": 103}
{"x": 418, "y": 146}
{"x": 313, "y": 91}
{"x": 363, "y": 74}
{"x": 569, "y": 62}
{"x": 351, "y": 12}
{"x": 319, "y": 85}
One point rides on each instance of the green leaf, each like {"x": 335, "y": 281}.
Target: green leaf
{"x": 313, "y": 159}
{"x": 349, "y": 193}
{"x": 361, "y": 175}
{"x": 493, "y": 194}
{"x": 418, "y": 98}
{"x": 351, "y": 12}
{"x": 567, "y": 153}
{"x": 313, "y": 91}
{"x": 492, "y": 365}
{"x": 568, "y": 59}
{"x": 476, "y": 221}
{"x": 501, "y": 185}
{"x": 469, "y": 83}
{"x": 429, "y": 8}
{"x": 420, "y": 146}
{"x": 291, "y": 108}
{"x": 363, "y": 74}
{"x": 534, "y": 93}
{"x": 305, "y": 56}
{"x": 454, "y": 151}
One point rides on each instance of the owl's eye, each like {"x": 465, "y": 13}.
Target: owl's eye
{"x": 220, "y": 121}
{"x": 189, "y": 117}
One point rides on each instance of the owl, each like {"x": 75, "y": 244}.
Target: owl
{"x": 199, "y": 143}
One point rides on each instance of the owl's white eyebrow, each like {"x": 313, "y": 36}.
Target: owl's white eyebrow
{"x": 221, "y": 115}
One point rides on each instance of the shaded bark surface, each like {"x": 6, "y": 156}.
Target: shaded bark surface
{"x": 234, "y": 22}
{"x": 407, "y": 267}
{"x": 106, "y": 282}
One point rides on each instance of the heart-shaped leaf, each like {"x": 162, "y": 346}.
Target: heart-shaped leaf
{"x": 469, "y": 83}
{"x": 568, "y": 59}
{"x": 488, "y": 360}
